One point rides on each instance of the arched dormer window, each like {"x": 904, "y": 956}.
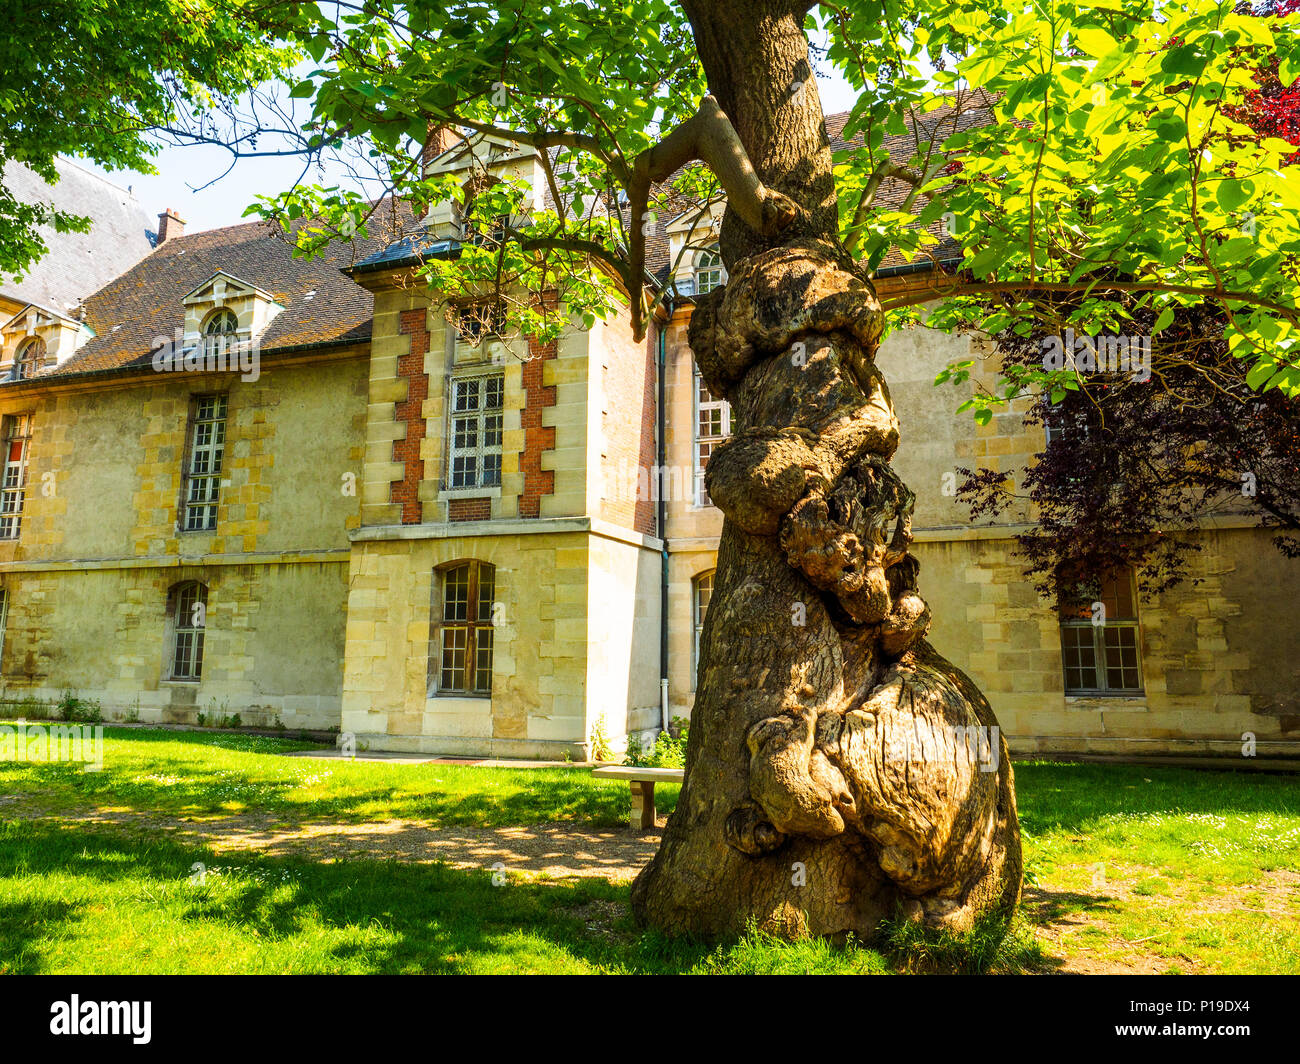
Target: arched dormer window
{"x": 219, "y": 331}
{"x": 709, "y": 273}
{"x": 29, "y": 359}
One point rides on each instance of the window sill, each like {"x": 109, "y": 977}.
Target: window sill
{"x": 1100, "y": 699}
{"x": 471, "y": 493}
{"x": 182, "y": 683}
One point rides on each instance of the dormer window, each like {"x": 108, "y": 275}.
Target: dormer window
{"x": 219, "y": 331}
{"x": 709, "y": 273}
{"x": 29, "y": 359}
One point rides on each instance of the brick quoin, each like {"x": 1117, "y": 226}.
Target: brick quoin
{"x": 469, "y": 509}
{"x": 537, "y": 438}
{"x": 406, "y": 492}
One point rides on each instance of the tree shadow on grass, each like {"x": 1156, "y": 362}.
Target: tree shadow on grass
{"x": 438, "y": 794}
{"x": 24, "y": 924}
{"x": 374, "y": 916}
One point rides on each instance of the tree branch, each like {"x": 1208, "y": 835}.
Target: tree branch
{"x": 707, "y": 136}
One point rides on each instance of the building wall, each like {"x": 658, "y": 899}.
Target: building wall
{"x": 1220, "y": 656}
{"x": 577, "y": 639}
{"x": 577, "y": 574}
{"x": 87, "y": 580}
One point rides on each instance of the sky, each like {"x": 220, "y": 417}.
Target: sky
{"x": 182, "y": 171}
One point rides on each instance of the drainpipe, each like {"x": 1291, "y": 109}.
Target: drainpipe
{"x": 661, "y": 458}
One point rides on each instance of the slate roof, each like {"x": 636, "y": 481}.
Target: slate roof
{"x": 76, "y": 264}
{"x": 940, "y": 124}
{"x": 321, "y": 305}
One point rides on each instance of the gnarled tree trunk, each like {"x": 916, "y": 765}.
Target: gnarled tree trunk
{"x": 838, "y": 768}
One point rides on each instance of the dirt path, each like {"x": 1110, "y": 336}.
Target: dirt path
{"x": 557, "y": 851}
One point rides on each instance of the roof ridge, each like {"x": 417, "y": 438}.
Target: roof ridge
{"x": 124, "y": 189}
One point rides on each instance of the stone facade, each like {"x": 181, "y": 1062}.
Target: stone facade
{"x": 384, "y": 462}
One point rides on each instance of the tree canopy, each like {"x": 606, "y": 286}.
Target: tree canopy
{"x": 94, "y": 78}
{"x": 1108, "y": 163}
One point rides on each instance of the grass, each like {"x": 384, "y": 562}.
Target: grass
{"x": 201, "y": 774}
{"x": 1176, "y": 869}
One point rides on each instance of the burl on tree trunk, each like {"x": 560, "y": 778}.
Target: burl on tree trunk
{"x": 839, "y": 770}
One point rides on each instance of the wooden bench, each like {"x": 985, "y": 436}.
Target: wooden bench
{"x": 642, "y": 781}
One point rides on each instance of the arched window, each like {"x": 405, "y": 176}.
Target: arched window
{"x": 709, "y": 273}
{"x": 219, "y": 331}
{"x": 1099, "y": 638}
{"x": 187, "y": 610}
{"x": 29, "y": 359}
{"x": 701, "y": 592}
{"x": 462, "y": 641}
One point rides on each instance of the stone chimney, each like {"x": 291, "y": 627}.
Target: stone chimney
{"x": 170, "y": 226}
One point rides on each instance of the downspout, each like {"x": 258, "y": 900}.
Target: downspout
{"x": 661, "y": 459}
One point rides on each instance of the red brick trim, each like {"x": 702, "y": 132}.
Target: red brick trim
{"x": 537, "y": 438}
{"x": 469, "y": 509}
{"x": 406, "y": 492}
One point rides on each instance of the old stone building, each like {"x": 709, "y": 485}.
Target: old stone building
{"x": 439, "y": 539}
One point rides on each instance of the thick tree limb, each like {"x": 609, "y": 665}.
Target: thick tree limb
{"x": 708, "y": 136}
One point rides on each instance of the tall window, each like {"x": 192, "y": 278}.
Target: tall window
{"x": 463, "y": 643}
{"x": 709, "y": 273}
{"x": 476, "y": 418}
{"x": 189, "y": 608}
{"x": 13, "y": 484}
{"x": 219, "y": 332}
{"x": 712, "y": 426}
{"x": 702, "y": 591}
{"x": 1100, "y": 641}
{"x": 29, "y": 358}
{"x": 206, "y": 453}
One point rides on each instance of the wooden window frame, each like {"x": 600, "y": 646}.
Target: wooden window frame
{"x": 1074, "y": 622}
{"x": 201, "y": 488}
{"x": 29, "y": 357}
{"x": 13, "y": 476}
{"x": 474, "y": 632}
{"x": 484, "y": 423}
{"x": 185, "y": 631}
{"x": 697, "y": 617}
{"x": 708, "y": 272}
{"x": 702, "y": 445}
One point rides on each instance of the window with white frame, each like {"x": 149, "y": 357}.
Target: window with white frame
{"x": 189, "y": 609}
{"x": 1100, "y": 643}
{"x": 709, "y": 272}
{"x": 712, "y": 426}
{"x": 463, "y": 639}
{"x": 474, "y": 454}
{"x": 207, "y": 449}
{"x": 13, "y": 484}
{"x": 29, "y": 358}
{"x": 220, "y": 332}
{"x": 701, "y": 593}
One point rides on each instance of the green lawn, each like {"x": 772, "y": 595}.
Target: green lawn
{"x": 1158, "y": 868}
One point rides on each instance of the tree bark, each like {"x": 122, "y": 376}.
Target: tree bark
{"x": 839, "y": 771}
